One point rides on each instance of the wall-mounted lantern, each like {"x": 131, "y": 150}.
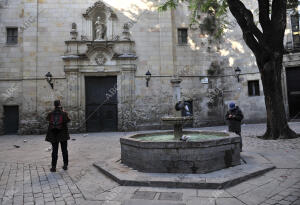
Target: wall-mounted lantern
{"x": 237, "y": 73}
{"x": 49, "y": 79}
{"x": 148, "y": 76}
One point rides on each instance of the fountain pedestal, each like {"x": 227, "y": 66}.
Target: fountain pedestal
{"x": 176, "y": 94}
{"x": 178, "y": 131}
{"x": 177, "y": 123}
{"x": 177, "y": 120}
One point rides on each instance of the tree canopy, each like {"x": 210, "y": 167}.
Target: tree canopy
{"x": 216, "y": 20}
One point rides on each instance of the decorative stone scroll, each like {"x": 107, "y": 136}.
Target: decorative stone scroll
{"x": 100, "y": 59}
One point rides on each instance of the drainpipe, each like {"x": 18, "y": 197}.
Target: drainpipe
{"x": 36, "y": 57}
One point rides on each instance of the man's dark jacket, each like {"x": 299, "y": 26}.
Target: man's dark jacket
{"x": 63, "y": 134}
{"x": 235, "y": 121}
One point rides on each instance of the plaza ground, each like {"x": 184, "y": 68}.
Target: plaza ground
{"x": 25, "y": 177}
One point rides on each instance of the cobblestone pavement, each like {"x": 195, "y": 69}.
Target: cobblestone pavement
{"x": 33, "y": 184}
{"x": 25, "y": 177}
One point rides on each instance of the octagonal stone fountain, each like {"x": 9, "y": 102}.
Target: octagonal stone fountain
{"x": 165, "y": 152}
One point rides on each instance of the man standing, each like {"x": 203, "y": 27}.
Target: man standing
{"x": 234, "y": 116}
{"x": 58, "y": 133}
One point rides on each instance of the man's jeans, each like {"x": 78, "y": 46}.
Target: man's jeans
{"x": 64, "y": 150}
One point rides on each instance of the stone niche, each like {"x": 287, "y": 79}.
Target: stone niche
{"x": 99, "y": 22}
{"x": 100, "y": 52}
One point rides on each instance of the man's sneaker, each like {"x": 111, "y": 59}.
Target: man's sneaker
{"x": 53, "y": 169}
{"x": 65, "y": 167}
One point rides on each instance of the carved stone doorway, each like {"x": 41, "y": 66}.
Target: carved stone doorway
{"x": 101, "y": 104}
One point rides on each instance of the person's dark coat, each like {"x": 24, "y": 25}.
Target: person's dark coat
{"x": 63, "y": 134}
{"x": 234, "y": 122}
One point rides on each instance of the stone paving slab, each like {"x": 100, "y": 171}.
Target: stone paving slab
{"x": 171, "y": 196}
{"x": 146, "y": 202}
{"x": 34, "y": 184}
{"x": 126, "y": 176}
{"x": 149, "y": 195}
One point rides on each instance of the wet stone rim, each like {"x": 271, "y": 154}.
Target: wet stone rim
{"x": 226, "y": 138}
{"x": 203, "y": 156}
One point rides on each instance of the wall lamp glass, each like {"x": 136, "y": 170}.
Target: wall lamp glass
{"x": 237, "y": 73}
{"x": 148, "y": 77}
{"x": 49, "y": 79}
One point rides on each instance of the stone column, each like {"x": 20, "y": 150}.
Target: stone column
{"x": 89, "y": 29}
{"x": 72, "y": 97}
{"x": 109, "y": 28}
{"x": 176, "y": 98}
{"x": 176, "y": 95}
{"x": 72, "y": 83}
{"x": 127, "y": 96}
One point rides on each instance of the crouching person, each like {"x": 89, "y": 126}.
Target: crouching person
{"x": 234, "y": 116}
{"x": 58, "y": 134}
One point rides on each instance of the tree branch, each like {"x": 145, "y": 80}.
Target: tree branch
{"x": 252, "y": 44}
{"x": 264, "y": 11}
{"x": 278, "y": 21}
{"x": 252, "y": 35}
{"x": 278, "y": 10}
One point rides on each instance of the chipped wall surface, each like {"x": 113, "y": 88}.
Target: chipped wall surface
{"x": 45, "y": 44}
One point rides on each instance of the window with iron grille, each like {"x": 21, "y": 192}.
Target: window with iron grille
{"x": 253, "y": 88}
{"x": 12, "y": 36}
{"x": 182, "y": 36}
{"x": 295, "y": 31}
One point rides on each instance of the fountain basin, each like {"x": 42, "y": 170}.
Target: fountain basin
{"x": 214, "y": 151}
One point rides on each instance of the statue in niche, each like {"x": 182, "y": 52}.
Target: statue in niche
{"x": 100, "y": 29}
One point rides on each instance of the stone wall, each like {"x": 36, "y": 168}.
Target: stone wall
{"x": 44, "y": 29}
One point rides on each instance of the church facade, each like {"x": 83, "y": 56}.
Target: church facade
{"x": 111, "y": 64}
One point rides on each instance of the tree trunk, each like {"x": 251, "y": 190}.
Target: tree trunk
{"x": 277, "y": 125}
{"x": 267, "y": 46}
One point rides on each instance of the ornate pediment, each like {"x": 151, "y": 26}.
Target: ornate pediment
{"x": 99, "y": 46}
{"x": 99, "y": 5}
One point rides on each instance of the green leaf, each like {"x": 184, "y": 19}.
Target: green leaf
{"x": 216, "y": 8}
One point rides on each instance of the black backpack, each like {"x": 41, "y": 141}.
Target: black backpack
{"x": 56, "y": 121}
